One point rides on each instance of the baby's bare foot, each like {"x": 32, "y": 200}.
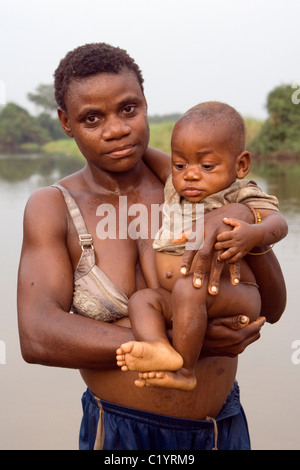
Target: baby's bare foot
{"x": 145, "y": 355}
{"x": 180, "y": 379}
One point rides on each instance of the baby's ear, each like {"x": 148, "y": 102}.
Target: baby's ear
{"x": 243, "y": 165}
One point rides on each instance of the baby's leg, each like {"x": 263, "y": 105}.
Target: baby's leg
{"x": 149, "y": 312}
{"x": 242, "y": 299}
{"x": 189, "y": 319}
{"x": 189, "y": 327}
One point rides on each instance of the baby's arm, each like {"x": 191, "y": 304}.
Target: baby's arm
{"x": 159, "y": 162}
{"x": 244, "y": 237}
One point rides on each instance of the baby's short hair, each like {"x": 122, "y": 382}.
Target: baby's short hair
{"x": 216, "y": 112}
{"x": 91, "y": 59}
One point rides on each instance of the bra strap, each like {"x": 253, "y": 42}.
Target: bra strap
{"x": 85, "y": 239}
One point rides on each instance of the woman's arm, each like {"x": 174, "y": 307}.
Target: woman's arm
{"x": 159, "y": 162}
{"x": 49, "y": 334}
{"x": 231, "y": 336}
{"x": 269, "y": 277}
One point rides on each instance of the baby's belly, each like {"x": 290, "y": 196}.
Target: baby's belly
{"x": 215, "y": 378}
{"x": 168, "y": 269}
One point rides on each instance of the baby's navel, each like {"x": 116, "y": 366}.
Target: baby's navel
{"x": 169, "y": 274}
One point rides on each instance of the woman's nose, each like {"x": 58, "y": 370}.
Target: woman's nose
{"x": 115, "y": 128}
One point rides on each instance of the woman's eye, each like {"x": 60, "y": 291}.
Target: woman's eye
{"x": 130, "y": 109}
{"x": 92, "y": 119}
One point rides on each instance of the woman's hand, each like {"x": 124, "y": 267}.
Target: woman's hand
{"x": 230, "y": 336}
{"x": 213, "y": 226}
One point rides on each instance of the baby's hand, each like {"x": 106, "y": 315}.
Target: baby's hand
{"x": 237, "y": 242}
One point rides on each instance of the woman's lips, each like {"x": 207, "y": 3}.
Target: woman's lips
{"x": 122, "y": 151}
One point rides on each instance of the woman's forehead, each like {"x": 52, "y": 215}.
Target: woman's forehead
{"x": 103, "y": 87}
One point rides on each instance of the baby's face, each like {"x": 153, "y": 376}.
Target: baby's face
{"x": 202, "y": 163}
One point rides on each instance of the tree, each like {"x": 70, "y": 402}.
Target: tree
{"x": 52, "y": 126}
{"x": 18, "y": 127}
{"x": 280, "y": 133}
{"x": 44, "y": 98}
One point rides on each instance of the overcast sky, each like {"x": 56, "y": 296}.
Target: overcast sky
{"x": 189, "y": 51}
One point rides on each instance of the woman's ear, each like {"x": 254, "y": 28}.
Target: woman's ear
{"x": 243, "y": 165}
{"x": 64, "y": 121}
{"x": 146, "y": 104}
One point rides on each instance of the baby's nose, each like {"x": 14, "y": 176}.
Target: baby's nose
{"x": 192, "y": 173}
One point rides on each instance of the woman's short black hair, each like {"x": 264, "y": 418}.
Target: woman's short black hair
{"x": 91, "y": 59}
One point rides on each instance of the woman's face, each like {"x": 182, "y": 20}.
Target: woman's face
{"x": 107, "y": 116}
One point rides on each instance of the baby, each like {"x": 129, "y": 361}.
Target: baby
{"x": 208, "y": 156}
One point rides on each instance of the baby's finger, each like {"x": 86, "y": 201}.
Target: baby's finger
{"x": 223, "y": 245}
{"x": 229, "y": 254}
{"x": 224, "y": 236}
{"x": 231, "y": 221}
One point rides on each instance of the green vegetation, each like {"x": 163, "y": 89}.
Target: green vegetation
{"x": 44, "y": 98}
{"x": 160, "y": 135}
{"x": 66, "y": 146}
{"x": 19, "y": 128}
{"x": 165, "y": 118}
{"x": 277, "y": 137}
{"x": 253, "y": 127}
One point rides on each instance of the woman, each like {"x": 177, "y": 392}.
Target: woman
{"x": 102, "y": 106}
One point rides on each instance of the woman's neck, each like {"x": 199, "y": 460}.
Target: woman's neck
{"x": 113, "y": 182}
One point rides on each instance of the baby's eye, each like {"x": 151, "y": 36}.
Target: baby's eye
{"x": 208, "y": 167}
{"x": 180, "y": 166}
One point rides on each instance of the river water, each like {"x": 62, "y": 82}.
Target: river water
{"x": 40, "y": 406}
